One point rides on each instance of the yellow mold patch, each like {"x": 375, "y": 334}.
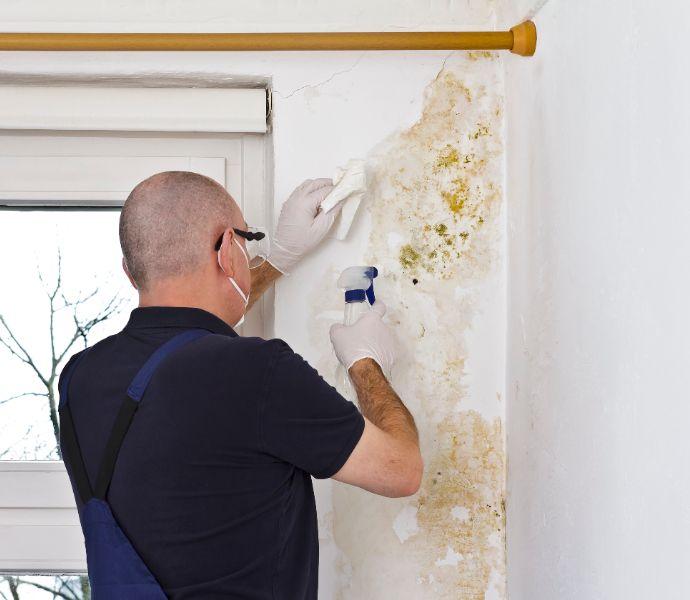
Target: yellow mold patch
{"x": 457, "y": 197}
{"x": 467, "y": 471}
{"x": 445, "y": 170}
{"x": 447, "y": 158}
{"x": 482, "y": 55}
{"x": 435, "y": 201}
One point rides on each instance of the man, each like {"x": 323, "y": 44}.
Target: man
{"x": 212, "y": 481}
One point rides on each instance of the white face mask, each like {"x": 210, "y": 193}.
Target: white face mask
{"x": 234, "y": 284}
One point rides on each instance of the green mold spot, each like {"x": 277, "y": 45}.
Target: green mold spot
{"x": 441, "y": 229}
{"x": 409, "y": 257}
{"x": 481, "y": 131}
{"x": 464, "y": 235}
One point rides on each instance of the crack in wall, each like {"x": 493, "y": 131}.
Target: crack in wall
{"x": 321, "y": 83}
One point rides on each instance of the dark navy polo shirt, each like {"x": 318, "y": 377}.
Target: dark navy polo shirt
{"x": 213, "y": 482}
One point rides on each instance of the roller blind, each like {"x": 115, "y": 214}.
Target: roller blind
{"x": 133, "y": 109}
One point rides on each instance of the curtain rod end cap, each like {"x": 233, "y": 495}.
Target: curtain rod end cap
{"x": 524, "y": 38}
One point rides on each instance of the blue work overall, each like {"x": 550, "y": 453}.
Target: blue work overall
{"x": 116, "y": 571}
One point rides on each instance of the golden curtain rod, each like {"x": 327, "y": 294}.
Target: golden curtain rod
{"x": 521, "y": 39}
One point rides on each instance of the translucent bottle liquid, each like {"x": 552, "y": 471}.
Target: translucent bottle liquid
{"x": 358, "y": 283}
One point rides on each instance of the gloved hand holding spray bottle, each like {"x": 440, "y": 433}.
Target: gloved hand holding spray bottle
{"x": 358, "y": 283}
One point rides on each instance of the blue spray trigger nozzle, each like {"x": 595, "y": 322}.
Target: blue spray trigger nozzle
{"x": 372, "y": 272}
{"x": 370, "y": 293}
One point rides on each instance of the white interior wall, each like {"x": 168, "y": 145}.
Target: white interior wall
{"x": 328, "y": 108}
{"x": 598, "y": 187}
{"x": 243, "y": 15}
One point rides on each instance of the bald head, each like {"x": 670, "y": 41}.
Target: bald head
{"x": 170, "y": 222}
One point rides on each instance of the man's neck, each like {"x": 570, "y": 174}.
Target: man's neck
{"x": 178, "y": 294}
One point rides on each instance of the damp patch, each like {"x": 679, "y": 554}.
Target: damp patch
{"x": 435, "y": 204}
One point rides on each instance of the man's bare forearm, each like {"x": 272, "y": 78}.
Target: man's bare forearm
{"x": 379, "y": 403}
{"x": 263, "y": 277}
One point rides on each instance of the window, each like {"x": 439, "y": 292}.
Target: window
{"x": 44, "y": 587}
{"x": 62, "y": 287}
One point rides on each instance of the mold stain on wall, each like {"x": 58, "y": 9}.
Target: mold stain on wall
{"x": 435, "y": 201}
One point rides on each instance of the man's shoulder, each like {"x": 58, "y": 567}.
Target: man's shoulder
{"x": 272, "y": 358}
{"x": 78, "y": 356}
{"x": 231, "y": 361}
{"x": 255, "y": 346}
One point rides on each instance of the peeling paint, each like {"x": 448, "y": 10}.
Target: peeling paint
{"x": 460, "y": 513}
{"x": 468, "y": 467}
{"x": 451, "y": 559}
{"x": 435, "y": 201}
{"x": 405, "y": 524}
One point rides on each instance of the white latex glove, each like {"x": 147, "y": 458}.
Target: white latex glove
{"x": 368, "y": 337}
{"x": 301, "y": 225}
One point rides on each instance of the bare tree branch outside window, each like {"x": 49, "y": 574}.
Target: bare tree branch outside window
{"x": 78, "y": 313}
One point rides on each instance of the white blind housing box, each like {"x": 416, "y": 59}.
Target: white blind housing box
{"x": 133, "y": 109}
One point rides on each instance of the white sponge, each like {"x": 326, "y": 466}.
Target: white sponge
{"x": 350, "y": 187}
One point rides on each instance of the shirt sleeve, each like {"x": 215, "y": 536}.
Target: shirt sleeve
{"x": 63, "y": 373}
{"x": 303, "y": 420}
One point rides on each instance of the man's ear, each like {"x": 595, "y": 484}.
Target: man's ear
{"x": 125, "y": 268}
{"x": 225, "y": 259}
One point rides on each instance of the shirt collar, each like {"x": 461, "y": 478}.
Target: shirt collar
{"x": 177, "y": 316}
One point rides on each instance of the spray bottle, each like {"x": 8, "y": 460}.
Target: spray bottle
{"x": 358, "y": 283}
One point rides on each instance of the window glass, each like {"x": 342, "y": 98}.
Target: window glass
{"x": 62, "y": 288}
{"x": 44, "y": 587}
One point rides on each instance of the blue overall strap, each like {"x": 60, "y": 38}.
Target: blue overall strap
{"x": 70, "y": 446}
{"x": 129, "y": 406}
{"x": 138, "y": 386}
{"x": 116, "y": 570}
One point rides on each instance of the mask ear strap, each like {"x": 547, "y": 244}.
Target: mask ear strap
{"x": 239, "y": 291}
{"x": 241, "y": 249}
{"x": 232, "y": 279}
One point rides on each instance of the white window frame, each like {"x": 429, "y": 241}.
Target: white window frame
{"x": 39, "y": 525}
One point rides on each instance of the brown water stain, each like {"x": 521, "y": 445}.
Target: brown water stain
{"x": 466, "y": 471}
{"x": 482, "y": 55}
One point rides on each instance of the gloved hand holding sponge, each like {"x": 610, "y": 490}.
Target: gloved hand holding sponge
{"x": 312, "y": 209}
{"x": 301, "y": 225}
